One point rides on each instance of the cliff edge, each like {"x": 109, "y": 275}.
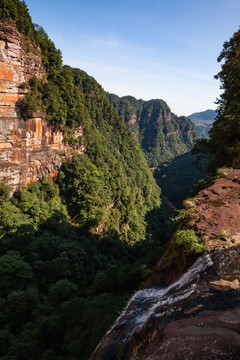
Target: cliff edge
{"x": 28, "y": 149}
{"x": 195, "y": 315}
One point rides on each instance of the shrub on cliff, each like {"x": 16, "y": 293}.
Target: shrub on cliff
{"x": 182, "y": 251}
{"x": 17, "y": 11}
{"x": 188, "y": 241}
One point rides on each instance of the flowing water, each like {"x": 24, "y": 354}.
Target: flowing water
{"x": 148, "y": 304}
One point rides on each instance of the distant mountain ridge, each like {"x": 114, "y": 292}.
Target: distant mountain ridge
{"x": 207, "y": 115}
{"x": 161, "y": 134}
{"x": 72, "y": 235}
{"x": 203, "y": 121}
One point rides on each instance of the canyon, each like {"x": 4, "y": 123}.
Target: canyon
{"x": 193, "y": 314}
{"x": 186, "y": 309}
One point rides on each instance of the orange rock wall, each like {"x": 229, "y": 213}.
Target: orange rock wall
{"x": 28, "y": 149}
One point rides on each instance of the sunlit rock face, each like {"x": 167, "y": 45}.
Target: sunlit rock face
{"x": 28, "y": 149}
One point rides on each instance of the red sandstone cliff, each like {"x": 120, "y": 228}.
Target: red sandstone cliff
{"x": 28, "y": 149}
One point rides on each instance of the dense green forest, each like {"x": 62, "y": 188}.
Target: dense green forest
{"x": 178, "y": 176}
{"x": 161, "y": 134}
{"x": 58, "y": 278}
{"x": 110, "y": 186}
{"x": 113, "y": 177}
{"x": 223, "y": 146}
{"x": 76, "y": 248}
{"x": 166, "y": 141}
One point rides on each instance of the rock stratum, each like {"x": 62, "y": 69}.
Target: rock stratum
{"x": 197, "y": 315}
{"x": 29, "y": 148}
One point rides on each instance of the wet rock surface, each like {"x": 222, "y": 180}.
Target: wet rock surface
{"x": 190, "y": 319}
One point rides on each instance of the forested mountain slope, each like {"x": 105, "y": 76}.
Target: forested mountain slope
{"x": 74, "y": 248}
{"x": 166, "y": 141}
{"x": 189, "y": 308}
{"x": 178, "y": 176}
{"x": 116, "y": 178}
{"x": 161, "y": 134}
{"x": 204, "y": 116}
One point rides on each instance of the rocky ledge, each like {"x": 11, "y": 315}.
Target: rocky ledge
{"x": 217, "y": 211}
{"x": 207, "y": 324}
{"x": 197, "y": 315}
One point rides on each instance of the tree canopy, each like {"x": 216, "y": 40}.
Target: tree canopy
{"x": 223, "y": 145}
{"x": 161, "y": 134}
{"x": 73, "y": 249}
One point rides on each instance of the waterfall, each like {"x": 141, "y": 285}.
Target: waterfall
{"x": 143, "y": 307}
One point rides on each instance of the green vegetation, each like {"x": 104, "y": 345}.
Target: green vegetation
{"x": 161, "y": 134}
{"x": 110, "y": 188}
{"x": 183, "y": 250}
{"x": 166, "y": 141}
{"x": 75, "y": 249}
{"x": 204, "y": 116}
{"x": 111, "y": 184}
{"x": 185, "y": 245}
{"x": 178, "y": 176}
{"x": 223, "y": 147}
{"x": 188, "y": 241}
{"x": 57, "y": 279}
{"x": 16, "y": 13}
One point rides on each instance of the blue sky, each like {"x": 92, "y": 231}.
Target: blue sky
{"x": 151, "y": 49}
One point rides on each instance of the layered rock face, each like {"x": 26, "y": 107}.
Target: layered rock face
{"x": 28, "y": 149}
